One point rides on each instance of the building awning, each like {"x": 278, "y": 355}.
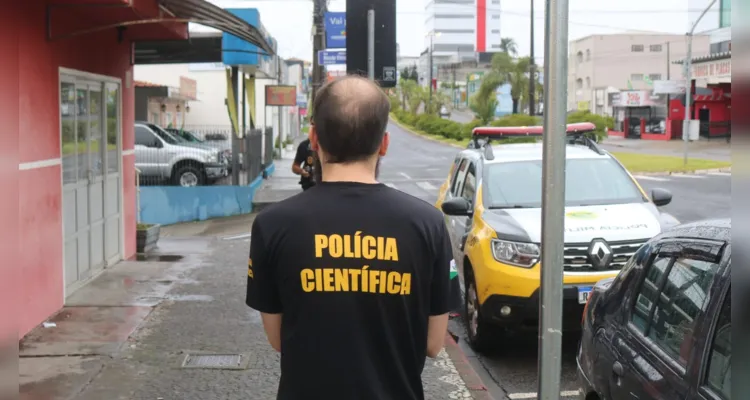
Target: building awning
{"x": 204, "y": 13}
{"x": 707, "y": 58}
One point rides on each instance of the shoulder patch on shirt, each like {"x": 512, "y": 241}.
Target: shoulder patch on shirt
{"x": 453, "y": 269}
{"x": 250, "y": 267}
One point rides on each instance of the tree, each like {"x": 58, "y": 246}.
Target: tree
{"x": 509, "y": 46}
{"x": 506, "y": 69}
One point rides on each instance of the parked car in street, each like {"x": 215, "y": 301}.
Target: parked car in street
{"x": 662, "y": 328}
{"x": 492, "y": 203}
{"x": 191, "y": 138}
{"x": 162, "y": 157}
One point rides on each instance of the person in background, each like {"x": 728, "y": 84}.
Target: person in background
{"x": 304, "y": 164}
{"x": 351, "y": 277}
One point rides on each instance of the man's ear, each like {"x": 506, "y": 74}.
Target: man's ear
{"x": 313, "y": 136}
{"x": 384, "y": 145}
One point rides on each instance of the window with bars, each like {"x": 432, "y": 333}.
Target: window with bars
{"x": 636, "y": 48}
{"x": 655, "y": 48}
{"x": 636, "y": 77}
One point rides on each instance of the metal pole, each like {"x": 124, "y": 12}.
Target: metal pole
{"x": 432, "y": 36}
{"x": 236, "y": 135}
{"x": 689, "y": 83}
{"x": 553, "y": 198}
{"x": 371, "y": 44}
{"x": 532, "y": 66}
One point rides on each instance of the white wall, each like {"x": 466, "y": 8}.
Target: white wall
{"x": 210, "y": 108}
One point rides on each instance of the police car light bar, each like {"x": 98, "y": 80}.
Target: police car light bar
{"x": 493, "y": 132}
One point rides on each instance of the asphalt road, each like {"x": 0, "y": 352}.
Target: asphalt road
{"x": 418, "y": 167}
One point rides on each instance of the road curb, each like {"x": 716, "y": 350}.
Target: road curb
{"x": 423, "y": 136}
{"x": 693, "y": 172}
{"x": 467, "y": 373}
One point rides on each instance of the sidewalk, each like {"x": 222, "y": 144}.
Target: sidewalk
{"x": 142, "y": 329}
{"x": 715, "y": 150}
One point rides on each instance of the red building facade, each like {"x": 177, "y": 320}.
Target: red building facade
{"x": 66, "y": 145}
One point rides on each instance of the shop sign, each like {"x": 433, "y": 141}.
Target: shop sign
{"x": 713, "y": 69}
{"x": 636, "y": 98}
{"x": 669, "y": 87}
{"x": 583, "y": 106}
{"x": 281, "y": 95}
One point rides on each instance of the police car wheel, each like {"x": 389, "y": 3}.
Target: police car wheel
{"x": 480, "y": 334}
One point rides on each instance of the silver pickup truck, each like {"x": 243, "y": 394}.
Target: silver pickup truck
{"x": 160, "y": 156}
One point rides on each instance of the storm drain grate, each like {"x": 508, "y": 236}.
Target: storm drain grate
{"x": 215, "y": 361}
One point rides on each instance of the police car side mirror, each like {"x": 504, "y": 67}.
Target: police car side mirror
{"x": 661, "y": 197}
{"x": 457, "y": 207}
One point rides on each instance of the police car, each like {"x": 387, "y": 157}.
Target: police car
{"x": 492, "y": 204}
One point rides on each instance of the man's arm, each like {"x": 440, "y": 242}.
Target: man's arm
{"x": 440, "y": 294}
{"x": 298, "y": 159}
{"x": 262, "y": 287}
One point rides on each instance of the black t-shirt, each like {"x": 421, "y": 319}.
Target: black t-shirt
{"x": 305, "y": 157}
{"x": 356, "y": 270}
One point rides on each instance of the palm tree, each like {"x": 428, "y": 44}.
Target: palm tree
{"x": 506, "y": 69}
{"x": 509, "y": 46}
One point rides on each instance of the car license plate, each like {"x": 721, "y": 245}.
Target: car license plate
{"x": 583, "y": 294}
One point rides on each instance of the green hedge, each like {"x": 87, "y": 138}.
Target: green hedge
{"x": 448, "y": 129}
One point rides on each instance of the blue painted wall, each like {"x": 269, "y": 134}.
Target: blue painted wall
{"x": 167, "y": 205}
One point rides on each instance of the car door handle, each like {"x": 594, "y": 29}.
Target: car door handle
{"x": 617, "y": 369}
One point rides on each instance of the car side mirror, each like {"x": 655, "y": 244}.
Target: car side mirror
{"x": 457, "y": 207}
{"x": 661, "y": 197}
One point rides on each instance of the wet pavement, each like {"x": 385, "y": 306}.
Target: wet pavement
{"x": 129, "y": 332}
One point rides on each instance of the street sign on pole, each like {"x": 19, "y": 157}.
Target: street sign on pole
{"x": 332, "y": 57}
{"x": 335, "y": 26}
{"x": 553, "y": 198}
{"x": 357, "y": 49}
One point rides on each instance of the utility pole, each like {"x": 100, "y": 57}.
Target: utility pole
{"x": 689, "y": 82}
{"x": 279, "y": 109}
{"x": 432, "y": 35}
{"x": 532, "y": 66}
{"x": 319, "y": 9}
{"x": 553, "y": 198}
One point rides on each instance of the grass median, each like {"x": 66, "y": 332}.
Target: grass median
{"x": 639, "y": 163}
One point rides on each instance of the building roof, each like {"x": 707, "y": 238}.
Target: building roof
{"x": 709, "y": 57}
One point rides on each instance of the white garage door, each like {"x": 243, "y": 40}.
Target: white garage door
{"x": 91, "y": 156}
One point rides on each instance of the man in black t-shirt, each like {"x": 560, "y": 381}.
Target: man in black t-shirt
{"x": 304, "y": 164}
{"x": 352, "y": 278}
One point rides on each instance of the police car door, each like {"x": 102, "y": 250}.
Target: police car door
{"x": 464, "y": 187}
{"x": 459, "y": 174}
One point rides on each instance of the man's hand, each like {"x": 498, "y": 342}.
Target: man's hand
{"x": 305, "y": 174}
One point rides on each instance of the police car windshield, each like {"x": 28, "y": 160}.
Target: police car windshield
{"x": 597, "y": 181}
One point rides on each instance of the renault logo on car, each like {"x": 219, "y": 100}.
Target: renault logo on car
{"x": 600, "y": 254}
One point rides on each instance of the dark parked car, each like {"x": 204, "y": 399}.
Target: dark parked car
{"x": 662, "y": 328}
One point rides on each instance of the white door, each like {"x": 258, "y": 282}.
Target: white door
{"x": 90, "y": 115}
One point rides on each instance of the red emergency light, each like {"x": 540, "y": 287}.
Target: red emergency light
{"x": 509, "y": 131}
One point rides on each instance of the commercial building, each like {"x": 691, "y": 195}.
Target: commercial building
{"x": 459, "y": 29}
{"x": 601, "y": 64}
{"x": 66, "y": 147}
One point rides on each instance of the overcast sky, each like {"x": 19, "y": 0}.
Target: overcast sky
{"x": 290, "y": 21}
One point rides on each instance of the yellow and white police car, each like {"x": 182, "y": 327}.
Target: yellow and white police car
{"x": 492, "y": 204}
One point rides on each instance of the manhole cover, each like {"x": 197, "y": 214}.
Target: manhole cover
{"x": 215, "y": 361}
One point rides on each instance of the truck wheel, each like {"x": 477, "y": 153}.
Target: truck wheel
{"x": 189, "y": 175}
{"x": 482, "y": 336}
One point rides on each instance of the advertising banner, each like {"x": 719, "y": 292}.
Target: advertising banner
{"x": 281, "y": 95}
{"x": 335, "y": 26}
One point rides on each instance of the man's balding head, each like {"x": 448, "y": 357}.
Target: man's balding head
{"x": 350, "y": 115}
